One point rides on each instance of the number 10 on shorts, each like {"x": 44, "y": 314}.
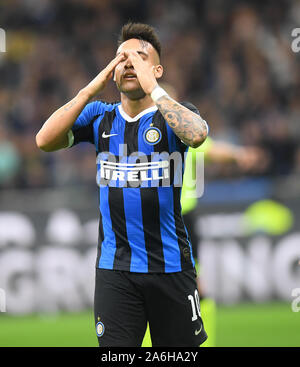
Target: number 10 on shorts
{"x": 195, "y": 304}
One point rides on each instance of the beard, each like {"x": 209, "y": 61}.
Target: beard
{"x": 133, "y": 93}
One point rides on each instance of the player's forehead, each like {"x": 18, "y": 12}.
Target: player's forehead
{"x": 139, "y": 46}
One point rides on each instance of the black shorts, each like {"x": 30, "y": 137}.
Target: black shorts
{"x": 125, "y": 302}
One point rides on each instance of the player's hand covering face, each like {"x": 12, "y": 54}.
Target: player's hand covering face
{"x": 100, "y": 81}
{"x": 137, "y": 74}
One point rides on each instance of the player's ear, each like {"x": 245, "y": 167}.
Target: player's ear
{"x": 158, "y": 71}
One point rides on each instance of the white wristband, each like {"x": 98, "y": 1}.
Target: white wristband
{"x": 157, "y": 93}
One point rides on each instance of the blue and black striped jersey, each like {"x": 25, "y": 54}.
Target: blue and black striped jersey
{"x": 139, "y": 171}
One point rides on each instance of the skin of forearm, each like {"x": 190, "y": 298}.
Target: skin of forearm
{"x": 223, "y": 153}
{"x": 187, "y": 125}
{"x": 53, "y": 134}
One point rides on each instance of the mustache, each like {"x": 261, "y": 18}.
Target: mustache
{"x": 128, "y": 72}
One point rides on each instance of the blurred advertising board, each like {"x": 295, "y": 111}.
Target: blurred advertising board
{"x": 48, "y": 243}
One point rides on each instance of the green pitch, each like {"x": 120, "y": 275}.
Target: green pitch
{"x": 272, "y": 324}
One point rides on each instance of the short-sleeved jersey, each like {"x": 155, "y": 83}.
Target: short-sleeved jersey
{"x": 140, "y": 163}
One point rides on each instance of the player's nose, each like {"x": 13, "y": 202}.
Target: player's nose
{"x": 128, "y": 62}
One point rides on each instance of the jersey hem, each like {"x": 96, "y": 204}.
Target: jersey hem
{"x": 136, "y": 270}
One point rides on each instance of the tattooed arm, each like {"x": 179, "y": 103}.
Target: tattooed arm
{"x": 186, "y": 124}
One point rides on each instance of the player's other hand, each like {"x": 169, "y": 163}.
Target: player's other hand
{"x": 250, "y": 158}
{"x": 101, "y": 80}
{"x": 145, "y": 71}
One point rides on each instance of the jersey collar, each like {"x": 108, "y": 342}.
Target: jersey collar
{"x": 137, "y": 117}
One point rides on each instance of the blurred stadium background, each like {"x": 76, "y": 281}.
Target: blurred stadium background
{"x": 233, "y": 60}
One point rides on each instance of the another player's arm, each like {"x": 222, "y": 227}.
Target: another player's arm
{"x": 54, "y": 133}
{"x": 186, "y": 124}
{"x": 246, "y": 157}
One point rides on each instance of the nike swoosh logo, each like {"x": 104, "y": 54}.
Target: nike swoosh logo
{"x": 108, "y": 135}
{"x": 197, "y": 332}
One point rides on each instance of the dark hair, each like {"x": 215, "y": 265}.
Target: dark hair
{"x": 140, "y": 31}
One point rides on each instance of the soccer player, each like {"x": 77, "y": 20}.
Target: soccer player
{"x": 145, "y": 270}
